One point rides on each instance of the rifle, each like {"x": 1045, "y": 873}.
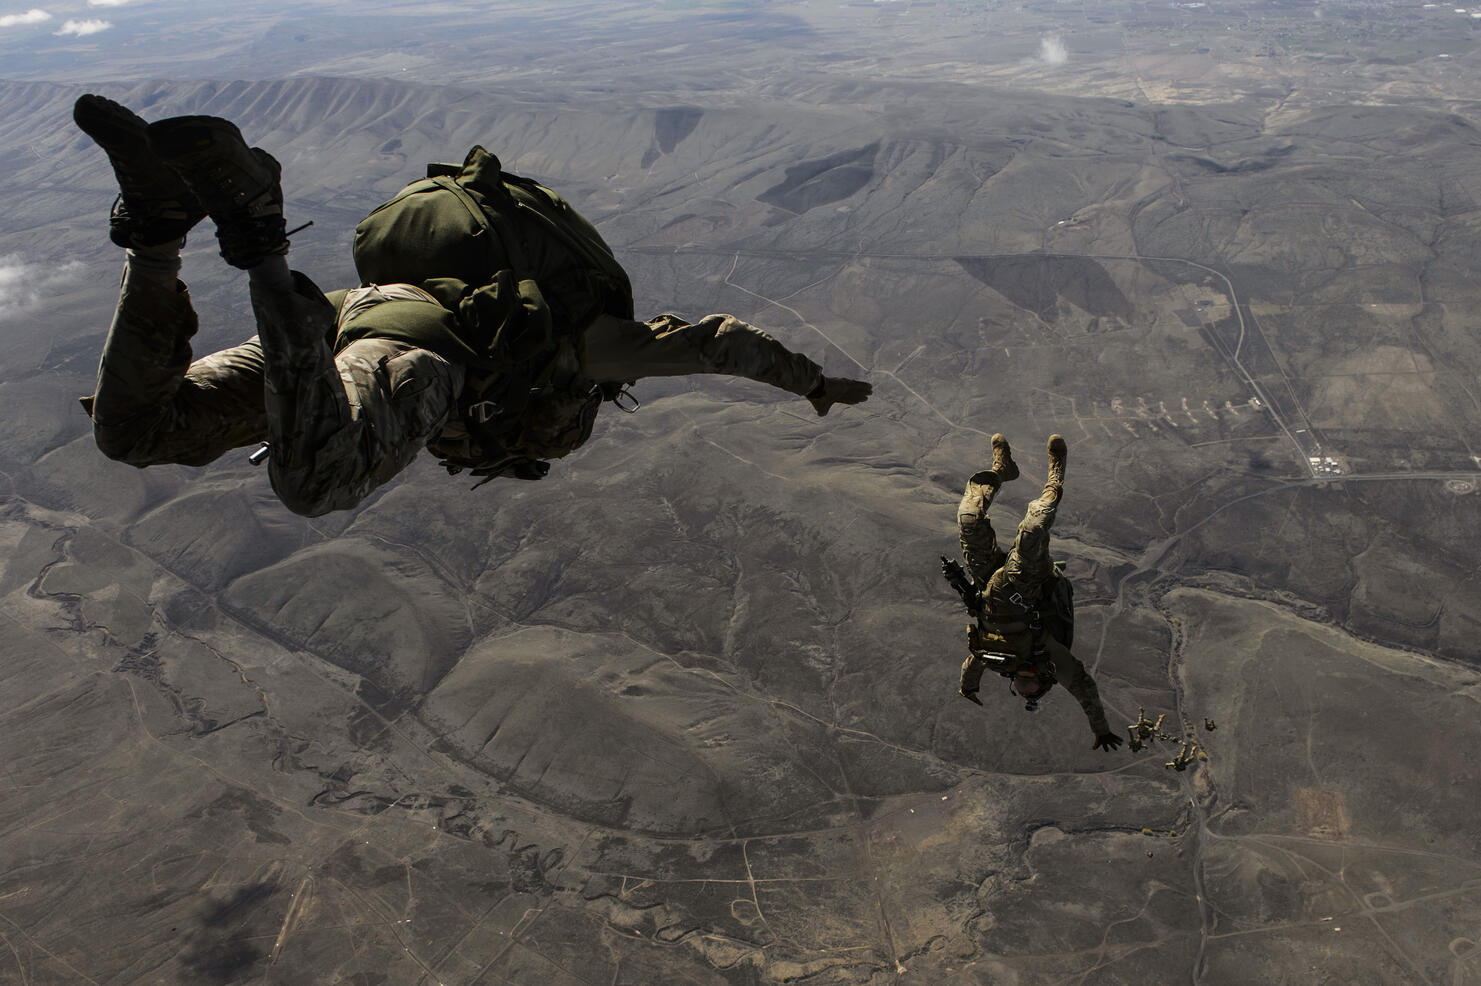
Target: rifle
{"x": 958, "y": 579}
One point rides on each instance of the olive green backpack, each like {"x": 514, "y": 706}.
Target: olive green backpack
{"x": 476, "y": 238}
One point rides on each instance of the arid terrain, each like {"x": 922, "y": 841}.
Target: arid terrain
{"x": 685, "y": 711}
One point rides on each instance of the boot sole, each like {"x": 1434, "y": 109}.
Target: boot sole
{"x": 1009, "y": 468}
{"x": 124, "y": 137}
{"x": 114, "y": 127}
{"x": 178, "y": 139}
{"x": 1058, "y": 454}
{"x": 239, "y": 186}
{"x": 230, "y": 178}
{"x": 159, "y": 205}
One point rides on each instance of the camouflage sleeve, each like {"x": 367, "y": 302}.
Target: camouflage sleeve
{"x": 1077, "y": 681}
{"x": 620, "y": 349}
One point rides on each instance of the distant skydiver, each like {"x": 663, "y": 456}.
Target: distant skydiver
{"x": 1022, "y": 603}
{"x": 491, "y": 324}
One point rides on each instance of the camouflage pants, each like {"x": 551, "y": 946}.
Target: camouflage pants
{"x": 619, "y": 349}
{"x": 339, "y": 425}
{"x": 1024, "y": 572}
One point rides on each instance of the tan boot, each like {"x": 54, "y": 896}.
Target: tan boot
{"x": 1057, "y": 454}
{"x": 1002, "y": 459}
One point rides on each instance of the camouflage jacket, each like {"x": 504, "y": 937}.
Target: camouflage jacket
{"x": 1003, "y": 642}
{"x": 556, "y": 421}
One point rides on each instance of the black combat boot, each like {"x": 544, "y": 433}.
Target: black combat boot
{"x": 237, "y": 185}
{"x": 154, "y": 205}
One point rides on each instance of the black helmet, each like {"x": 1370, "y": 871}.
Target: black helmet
{"x": 1043, "y": 673}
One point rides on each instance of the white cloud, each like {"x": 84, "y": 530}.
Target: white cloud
{"x": 33, "y": 16}
{"x": 106, "y": 3}
{"x": 80, "y": 28}
{"x": 1052, "y": 51}
{"x": 23, "y": 285}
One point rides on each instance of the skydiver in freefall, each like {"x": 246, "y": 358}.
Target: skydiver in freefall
{"x": 1021, "y": 602}
{"x": 492, "y": 340}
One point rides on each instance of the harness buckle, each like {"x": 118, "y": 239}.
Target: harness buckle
{"x": 623, "y": 398}
{"x": 484, "y": 411}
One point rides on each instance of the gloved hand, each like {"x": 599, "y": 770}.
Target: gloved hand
{"x": 1107, "y": 741}
{"x": 838, "y": 390}
{"x": 531, "y": 469}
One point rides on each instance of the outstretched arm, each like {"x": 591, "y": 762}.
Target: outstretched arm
{"x": 1077, "y": 681}
{"x": 621, "y": 349}
{"x": 838, "y": 390}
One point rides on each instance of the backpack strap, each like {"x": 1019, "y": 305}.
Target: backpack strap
{"x": 489, "y": 225}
